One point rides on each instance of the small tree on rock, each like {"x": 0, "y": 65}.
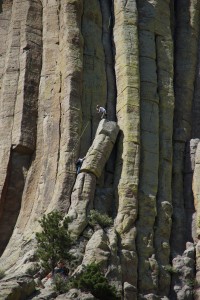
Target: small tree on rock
{"x": 54, "y": 241}
{"x": 103, "y": 220}
{"x": 93, "y": 280}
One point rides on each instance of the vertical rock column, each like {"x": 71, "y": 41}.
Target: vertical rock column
{"x": 194, "y": 14}
{"x": 102, "y": 245}
{"x": 25, "y": 34}
{"x": 107, "y": 26}
{"x": 128, "y": 112}
{"x": 147, "y": 265}
{"x": 195, "y": 186}
{"x": 9, "y": 90}
{"x": 111, "y": 93}
{"x": 5, "y": 17}
{"x": 19, "y": 106}
{"x": 192, "y": 197}
{"x": 25, "y": 114}
{"x": 164, "y": 59}
{"x": 189, "y": 184}
{"x": 196, "y": 193}
{"x": 186, "y": 36}
{"x": 196, "y": 101}
{"x": 71, "y": 71}
{"x": 94, "y": 75}
{"x": 92, "y": 168}
{"x": 52, "y": 173}
{"x": 157, "y": 104}
{"x": 42, "y": 175}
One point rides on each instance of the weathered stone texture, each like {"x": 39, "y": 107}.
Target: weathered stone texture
{"x": 94, "y": 74}
{"x": 186, "y": 59}
{"x": 16, "y": 165}
{"x": 25, "y": 114}
{"x": 101, "y": 148}
{"x": 140, "y": 60}
{"x": 184, "y": 274}
{"x": 102, "y": 248}
{"x": 16, "y": 288}
{"x": 196, "y": 193}
{"x": 190, "y": 181}
{"x": 82, "y": 197}
{"x": 107, "y": 27}
{"x": 128, "y": 115}
{"x": 52, "y": 172}
{"x": 164, "y": 58}
{"x": 5, "y": 17}
{"x": 69, "y": 97}
{"x": 9, "y": 90}
{"x": 81, "y": 202}
{"x": 76, "y": 294}
{"x": 157, "y": 103}
{"x": 148, "y": 277}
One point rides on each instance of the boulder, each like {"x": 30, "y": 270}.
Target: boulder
{"x": 101, "y": 148}
{"x": 17, "y": 288}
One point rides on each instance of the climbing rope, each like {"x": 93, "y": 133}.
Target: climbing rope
{"x": 72, "y": 152}
{"x": 80, "y": 136}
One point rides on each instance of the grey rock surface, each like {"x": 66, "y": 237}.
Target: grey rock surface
{"x": 141, "y": 61}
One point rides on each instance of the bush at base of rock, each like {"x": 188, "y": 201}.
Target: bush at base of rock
{"x": 97, "y": 218}
{"x": 60, "y": 284}
{"x": 93, "y": 280}
{"x": 171, "y": 269}
{"x": 33, "y": 270}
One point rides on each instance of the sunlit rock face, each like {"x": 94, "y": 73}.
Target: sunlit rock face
{"x": 139, "y": 60}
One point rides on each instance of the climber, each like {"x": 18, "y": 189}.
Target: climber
{"x": 79, "y": 164}
{"x": 61, "y": 269}
{"x": 101, "y": 110}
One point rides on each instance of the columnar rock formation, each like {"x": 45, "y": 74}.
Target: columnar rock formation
{"x": 141, "y": 60}
{"x": 82, "y": 197}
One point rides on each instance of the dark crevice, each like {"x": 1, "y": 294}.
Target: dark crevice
{"x": 196, "y": 98}
{"x": 157, "y": 221}
{"x": 58, "y": 156}
{"x": 138, "y": 213}
{"x": 107, "y": 41}
{"x": 172, "y": 18}
{"x": 12, "y": 195}
{"x": 188, "y": 194}
{"x": 177, "y": 230}
{"x": 23, "y": 129}
{"x": 185, "y": 117}
{"x": 77, "y": 145}
{"x": 1, "y": 2}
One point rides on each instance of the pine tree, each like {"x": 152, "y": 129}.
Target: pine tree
{"x": 93, "y": 280}
{"x": 54, "y": 241}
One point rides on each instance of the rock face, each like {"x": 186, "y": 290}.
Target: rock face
{"x": 82, "y": 196}
{"x": 17, "y": 288}
{"x": 141, "y": 60}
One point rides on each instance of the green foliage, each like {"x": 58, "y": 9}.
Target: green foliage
{"x": 33, "y": 270}
{"x": 192, "y": 283}
{"x": 54, "y": 242}
{"x": 60, "y": 284}
{"x": 93, "y": 280}
{"x": 2, "y": 273}
{"x": 103, "y": 220}
{"x": 171, "y": 269}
